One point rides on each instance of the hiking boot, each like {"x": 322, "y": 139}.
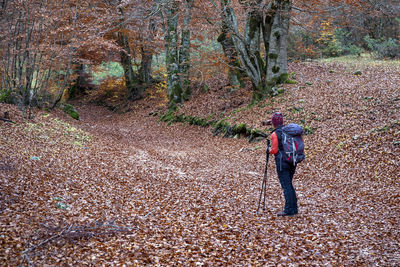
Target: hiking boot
{"x": 282, "y": 213}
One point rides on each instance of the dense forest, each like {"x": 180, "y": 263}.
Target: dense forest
{"x": 134, "y": 133}
{"x": 50, "y": 49}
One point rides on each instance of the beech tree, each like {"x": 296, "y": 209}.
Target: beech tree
{"x": 228, "y": 46}
{"x": 33, "y": 48}
{"x": 267, "y": 24}
{"x": 177, "y": 53}
{"x": 43, "y": 45}
{"x": 46, "y": 45}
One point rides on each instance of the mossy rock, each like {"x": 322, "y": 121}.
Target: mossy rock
{"x": 357, "y": 72}
{"x": 70, "y": 110}
{"x": 241, "y": 129}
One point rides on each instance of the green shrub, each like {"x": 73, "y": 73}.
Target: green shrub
{"x": 348, "y": 48}
{"x": 7, "y": 96}
{"x": 331, "y": 48}
{"x": 353, "y": 50}
{"x": 381, "y": 48}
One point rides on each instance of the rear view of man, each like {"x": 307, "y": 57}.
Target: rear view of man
{"x": 284, "y": 169}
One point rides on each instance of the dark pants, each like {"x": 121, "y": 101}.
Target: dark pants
{"x": 285, "y": 173}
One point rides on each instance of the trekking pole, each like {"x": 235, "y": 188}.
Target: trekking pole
{"x": 264, "y": 182}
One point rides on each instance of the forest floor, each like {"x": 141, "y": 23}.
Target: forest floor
{"x": 124, "y": 188}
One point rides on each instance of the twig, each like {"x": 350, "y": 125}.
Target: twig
{"x": 26, "y": 258}
{"x": 6, "y": 120}
{"x": 151, "y": 212}
{"x": 47, "y": 241}
{"x": 99, "y": 228}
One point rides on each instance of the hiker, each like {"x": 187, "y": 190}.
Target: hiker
{"x": 284, "y": 169}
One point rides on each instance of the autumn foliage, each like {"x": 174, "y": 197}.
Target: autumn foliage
{"x": 117, "y": 186}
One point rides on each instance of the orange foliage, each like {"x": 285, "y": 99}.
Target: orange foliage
{"x": 111, "y": 89}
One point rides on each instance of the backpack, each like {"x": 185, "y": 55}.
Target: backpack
{"x": 292, "y": 143}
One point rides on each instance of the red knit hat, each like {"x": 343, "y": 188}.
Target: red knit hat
{"x": 277, "y": 119}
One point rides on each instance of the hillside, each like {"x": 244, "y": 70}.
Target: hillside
{"x": 124, "y": 188}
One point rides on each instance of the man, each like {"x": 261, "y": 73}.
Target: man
{"x": 284, "y": 169}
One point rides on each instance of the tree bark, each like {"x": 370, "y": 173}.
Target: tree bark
{"x": 228, "y": 46}
{"x": 273, "y": 26}
{"x": 277, "y": 50}
{"x": 147, "y": 55}
{"x": 131, "y": 81}
{"x": 174, "y": 88}
{"x": 248, "y": 60}
{"x": 184, "y": 52}
{"x": 145, "y": 66}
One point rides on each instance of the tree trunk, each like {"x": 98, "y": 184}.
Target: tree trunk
{"x": 272, "y": 22}
{"x": 174, "y": 88}
{"x": 184, "y": 52}
{"x": 147, "y": 55}
{"x": 225, "y": 39}
{"x": 145, "y": 66}
{"x": 246, "y": 46}
{"x": 277, "y": 50}
{"x": 131, "y": 81}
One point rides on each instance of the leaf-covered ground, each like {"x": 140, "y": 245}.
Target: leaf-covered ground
{"x": 116, "y": 189}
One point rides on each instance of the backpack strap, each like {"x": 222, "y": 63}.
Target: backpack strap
{"x": 278, "y": 132}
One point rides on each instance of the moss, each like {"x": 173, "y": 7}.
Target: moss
{"x": 171, "y": 117}
{"x": 241, "y": 129}
{"x": 239, "y": 110}
{"x": 167, "y": 117}
{"x": 219, "y": 127}
{"x": 283, "y": 78}
{"x": 70, "y": 110}
{"x": 256, "y": 135}
{"x": 273, "y": 56}
{"x": 288, "y": 81}
{"x": 7, "y": 96}
{"x": 180, "y": 118}
{"x": 192, "y": 120}
{"x": 275, "y": 69}
{"x": 280, "y": 90}
{"x": 235, "y": 131}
